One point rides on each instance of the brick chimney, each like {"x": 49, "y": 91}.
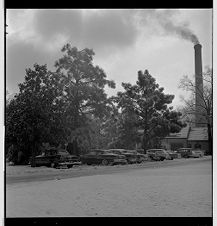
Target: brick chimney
{"x": 199, "y": 108}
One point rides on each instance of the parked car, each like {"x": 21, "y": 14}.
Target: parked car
{"x": 193, "y": 154}
{"x": 140, "y": 157}
{"x": 169, "y": 155}
{"x": 131, "y": 157}
{"x": 55, "y": 158}
{"x": 173, "y": 154}
{"x": 185, "y": 152}
{"x": 199, "y": 152}
{"x": 196, "y": 154}
{"x": 104, "y": 157}
{"x": 156, "y": 154}
{"x": 141, "y": 151}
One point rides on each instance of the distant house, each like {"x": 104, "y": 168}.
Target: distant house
{"x": 188, "y": 137}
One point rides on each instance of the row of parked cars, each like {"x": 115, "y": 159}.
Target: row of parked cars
{"x": 190, "y": 152}
{"x": 57, "y": 158}
{"x": 61, "y": 158}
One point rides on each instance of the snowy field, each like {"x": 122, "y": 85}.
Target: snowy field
{"x": 183, "y": 190}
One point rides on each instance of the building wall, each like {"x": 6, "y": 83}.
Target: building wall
{"x": 204, "y": 144}
{"x": 174, "y": 143}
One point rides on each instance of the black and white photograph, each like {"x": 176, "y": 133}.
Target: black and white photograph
{"x": 109, "y": 113}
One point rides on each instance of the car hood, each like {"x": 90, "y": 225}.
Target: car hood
{"x": 69, "y": 156}
{"x": 39, "y": 156}
{"x": 129, "y": 154}
{"x": 110, "y": 154}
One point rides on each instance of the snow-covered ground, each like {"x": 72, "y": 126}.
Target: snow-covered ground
{"x": 169, "y": 191}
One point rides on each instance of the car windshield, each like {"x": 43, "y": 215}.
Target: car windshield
{"x": 106, "y": 152}
{"x": 197, "y": 151}
{"x": 160, "y": 151}
{"x": 126, "y": 151}
{"x": 99, "y": 152}
{"x": 109, "y": 151}
{"x": 51, "y": 152}
{"x": 92, "y": 153}
{"x": 63, "y": 152}
{"x": 112, "y": 151}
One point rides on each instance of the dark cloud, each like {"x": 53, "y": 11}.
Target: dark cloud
{"x": 113, "y": 28}
{"x": 104, "y": 31}
{"x": 100, "y": 30}
{"x": 19, "y": 56}
{"x": 48, "y": 23}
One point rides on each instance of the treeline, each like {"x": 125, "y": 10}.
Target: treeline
{"x": 70, "y": 106}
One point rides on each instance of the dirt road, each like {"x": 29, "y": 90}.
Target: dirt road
{"x": 17, "y": 174}
{"x": 172, "y": 190}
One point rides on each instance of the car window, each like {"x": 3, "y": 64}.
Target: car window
{"x": 92, "y": 153}
{"x": 101, "y": 152}
{"x": 63, "y": 152}
{"x": 151, "y": 150}
{"x": 115, "y": 152}
{"x": 51, "y": 152}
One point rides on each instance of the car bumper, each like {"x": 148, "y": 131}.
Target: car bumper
{"x": 123, "y": 161}
{"x": 132, "y": 160}
{"x": 69, "y": 163}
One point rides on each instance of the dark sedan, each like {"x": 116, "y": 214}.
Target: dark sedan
{"x": 185, "y": 152}
{"x": 173, "y": 154}
{"x": 139, "y": 157}
{"x": 55, "y": 158}
{"x": 156, "y": 154}
{"x": 102, "y": 157}
{"x": 131, "y": 157}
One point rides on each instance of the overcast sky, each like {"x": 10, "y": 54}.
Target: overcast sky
{"x": 124, "y": 42}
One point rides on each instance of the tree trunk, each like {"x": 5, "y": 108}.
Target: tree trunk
{"x": 145, "y": 140}
{"x": 145, "y": 136}
{"x": 33, "y": 147}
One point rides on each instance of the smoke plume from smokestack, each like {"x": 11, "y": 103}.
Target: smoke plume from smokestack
{"x": 170, "y": 25}
{"x": 181, "y": 31}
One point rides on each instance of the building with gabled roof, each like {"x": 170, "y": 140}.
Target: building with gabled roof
{"x": 188, "y": 137}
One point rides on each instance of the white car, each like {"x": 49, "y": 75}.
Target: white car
{"x": 196, "y": 154}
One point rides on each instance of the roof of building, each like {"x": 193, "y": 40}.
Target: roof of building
{"x": 183, "y": 134}
{"x": 198, "y": 133}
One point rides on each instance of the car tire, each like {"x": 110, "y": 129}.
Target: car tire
{"x": 105, "y": 162}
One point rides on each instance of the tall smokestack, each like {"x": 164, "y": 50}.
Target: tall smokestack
{"x": 199, "y": 103}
